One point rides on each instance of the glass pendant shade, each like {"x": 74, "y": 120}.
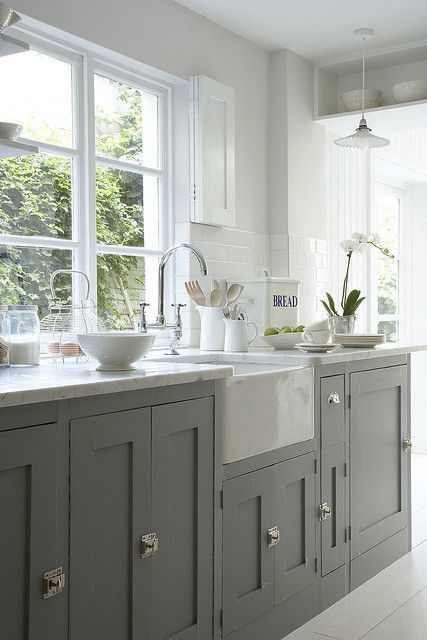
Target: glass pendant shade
{"x": 362, "y": 138}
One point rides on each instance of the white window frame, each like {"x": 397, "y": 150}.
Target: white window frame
{"x": 403, "y": 192}
{"x": 84, "y": 236}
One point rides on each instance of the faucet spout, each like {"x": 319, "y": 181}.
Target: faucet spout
{"x": 160, "y": 321}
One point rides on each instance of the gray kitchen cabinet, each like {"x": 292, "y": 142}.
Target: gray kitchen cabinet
{"x": 295, "y": 516}
{"x": 141, "y": 528}
{"x": 30, "y": 477}
{"x": 378, "y": 456}
{"x": 269, "y": 528}
{"x": 182, "y": 517}
{"x": 333, "y": 496}
{"x": 248, "y": 560}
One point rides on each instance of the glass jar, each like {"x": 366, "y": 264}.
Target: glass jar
{"x": 24, "y": 335}
{"x": 342, "y": 324}
{"x": 4, "y": 336}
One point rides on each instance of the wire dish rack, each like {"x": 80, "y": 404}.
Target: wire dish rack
{"x": 59, "y": 328}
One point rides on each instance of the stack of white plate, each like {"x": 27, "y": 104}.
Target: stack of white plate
{"x": 359, "y": 340}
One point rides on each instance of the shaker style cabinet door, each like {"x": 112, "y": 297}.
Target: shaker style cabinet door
{"x": 28, "y": 536}
{"x": 182, "y": 516}
{"x": 110, "y": 512}
{"x": 295, "y": 517}
{"x": 212, "y": 153}
{"x": 248, "y": 548}
{"x": 378, "y": 456}
{"x": 333, "y": 523}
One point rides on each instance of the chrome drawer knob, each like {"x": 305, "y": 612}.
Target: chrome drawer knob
{"x": 334, "y": 398}
{"x": 324, "y": 511}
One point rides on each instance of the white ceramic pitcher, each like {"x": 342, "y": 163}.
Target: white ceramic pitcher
{"x": 212, "y": 328}
{"x": 236, "y": 335}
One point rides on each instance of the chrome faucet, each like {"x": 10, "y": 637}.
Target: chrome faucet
{"x": 161, "y": 320}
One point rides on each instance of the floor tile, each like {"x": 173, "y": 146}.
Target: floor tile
{"x": 302, "y": 634}
{"x": 409, "y": 622}
{"x": 366, "y": 607}
{"x": 419, "y": 495}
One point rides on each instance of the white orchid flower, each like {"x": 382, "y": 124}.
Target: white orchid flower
{"x": 376, "y": 238}
{"x": 350, "y": 245}
{"x": 360, "y": 237}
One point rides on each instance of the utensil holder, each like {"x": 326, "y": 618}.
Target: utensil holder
{"x": 212, "y": 328}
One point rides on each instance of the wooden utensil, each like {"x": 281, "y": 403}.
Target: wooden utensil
{"x": 216, "y": 298}
{"x": 194, "y": 291}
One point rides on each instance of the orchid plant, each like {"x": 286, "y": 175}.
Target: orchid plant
{"x": 350, "y": 302}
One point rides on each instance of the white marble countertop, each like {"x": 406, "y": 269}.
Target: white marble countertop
{"x": 292, "y": 357}
{"x": 57, "y": 381}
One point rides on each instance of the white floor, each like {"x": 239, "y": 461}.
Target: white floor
{"x": 419, "y": 498}
{"x": 390, "y": 606}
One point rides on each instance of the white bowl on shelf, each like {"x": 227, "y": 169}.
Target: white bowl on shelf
{"x": 410, "y": 91}
{"x": 116, "y": 350}
{"x": 10, "y": 130}
{"x": 283, "y": 341}
{"x": 352, "y": 100}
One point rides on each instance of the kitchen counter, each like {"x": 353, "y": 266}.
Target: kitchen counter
{"x": 292, "y": 357}
{"x": 57, "y": 381}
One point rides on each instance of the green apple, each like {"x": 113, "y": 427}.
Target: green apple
{"x": 287, "y": 329}
{"x": 271, "y": 331}
{"x": 299, "y": 329}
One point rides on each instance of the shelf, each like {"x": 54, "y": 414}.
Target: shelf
{"x": 14, "y": 148}
{"x": 9, "y": 45}
{"x": 408, "y": 115}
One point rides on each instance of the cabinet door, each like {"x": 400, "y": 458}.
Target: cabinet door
{"x": 248, "y": 561}
{"x": 295, "y": 517}
{"x": 182, "y": 516}
{"x": 28, "y": 534}
{"x": 333, "y": 481}
{"x": 110, "y": 488}
{"x": 378, "y": 460}
{"x": 212, "y": 157}
{"x": 332, "y": 400}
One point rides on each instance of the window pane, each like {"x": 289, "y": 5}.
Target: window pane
{"x": 25, "y": 275}
{"x": 388, "y": 281}
{"x": 123, "y": 282}
{"x": 126, "y": 208}
{"x": 390, "y": 328}
{"x": 126, "y": 122}
{"x": 35, "y": 196}
{"x": 37, "y": 93}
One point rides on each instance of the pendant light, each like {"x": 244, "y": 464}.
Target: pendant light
{"x": 362, "y": 138}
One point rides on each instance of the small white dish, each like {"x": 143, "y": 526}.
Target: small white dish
{"x": 283, "y": 341}
{"x": 409, "y": 91}
{"x": 316, "y": 348}
{"x": 116, "y": 350}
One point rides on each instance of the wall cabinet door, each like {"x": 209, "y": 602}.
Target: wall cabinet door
{"x": 295, "y": 517}
{"x": 28, "y": 534}
{"x": 333, "y": 490}
{"x": 182, "y": 516}
{"x": 248, "y": 561}
{"x": 378, "y": 459}
{"x": 110, "y": 511}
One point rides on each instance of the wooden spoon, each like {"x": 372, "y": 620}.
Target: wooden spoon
{"x": 233, "y": 292}
{"x": 217, "y": 298}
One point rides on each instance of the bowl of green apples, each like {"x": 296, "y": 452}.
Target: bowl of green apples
{"x": 285, "y": 338}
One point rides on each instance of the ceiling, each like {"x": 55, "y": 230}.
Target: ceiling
{"x": 317, "y": 29}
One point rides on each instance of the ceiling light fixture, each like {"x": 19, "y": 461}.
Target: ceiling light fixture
{"x": 362, "y": 138}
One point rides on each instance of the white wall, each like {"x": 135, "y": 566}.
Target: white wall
{"x": 167, "y": 36}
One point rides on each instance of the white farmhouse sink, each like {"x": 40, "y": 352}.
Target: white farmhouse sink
{"x": 265, "y": 407}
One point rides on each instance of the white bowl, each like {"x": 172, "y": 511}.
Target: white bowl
{"x": 410, "y": 90}
{"x": 9, "y": 130}
{"x": 352, "y": 100}
{"x": 116, "y": 350}
{"x": 283, "y": 341}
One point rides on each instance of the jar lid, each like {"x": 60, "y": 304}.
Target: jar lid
{"x": 21, "y": 307}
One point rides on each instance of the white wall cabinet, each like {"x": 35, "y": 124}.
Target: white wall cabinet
{"x": 212, "y": 154}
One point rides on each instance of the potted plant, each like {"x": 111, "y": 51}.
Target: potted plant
{"x": 344, "y": 322}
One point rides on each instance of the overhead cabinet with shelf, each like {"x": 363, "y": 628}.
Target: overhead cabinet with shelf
{"x": 212, "y": 152}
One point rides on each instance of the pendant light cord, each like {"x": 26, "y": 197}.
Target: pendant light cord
{"x": 363, "y": 77}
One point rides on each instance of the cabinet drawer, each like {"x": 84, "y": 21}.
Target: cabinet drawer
{"x": 332, "y": 400}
